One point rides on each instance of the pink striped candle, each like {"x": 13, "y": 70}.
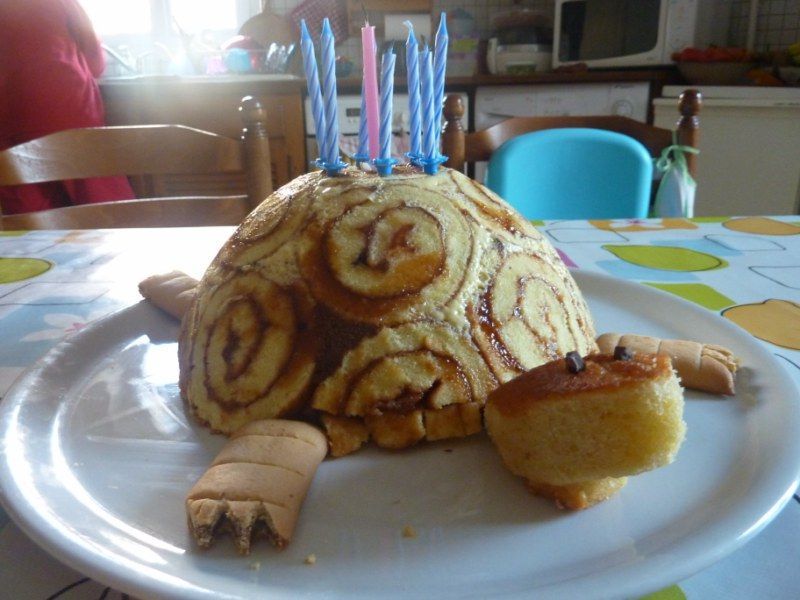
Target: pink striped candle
{"x": 368, "y": 48}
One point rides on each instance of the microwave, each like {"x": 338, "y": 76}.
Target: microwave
{"x": 635, "y": 33}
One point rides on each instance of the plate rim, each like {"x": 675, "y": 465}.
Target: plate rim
{"x": 111, "y": 572}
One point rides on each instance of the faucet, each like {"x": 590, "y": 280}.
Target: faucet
{"x": 156, "y": 61}
{"x": 117, "y": 60}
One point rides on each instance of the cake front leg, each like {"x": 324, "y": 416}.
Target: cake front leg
{"x": 256, "y": 484}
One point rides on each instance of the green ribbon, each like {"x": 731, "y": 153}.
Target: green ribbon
{"x": 675, "y": 154}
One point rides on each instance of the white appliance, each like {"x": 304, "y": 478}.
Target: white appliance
{"x": 749, "y": 161}
{"x": 349, "y": 110}
{"x": 498, "y": 103}
{"x": 628, "y": 33}
{"x": 518, "y": 59}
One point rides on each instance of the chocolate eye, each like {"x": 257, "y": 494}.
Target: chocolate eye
{"x": 574, "y": 362}
{"x": 622, "y": 353}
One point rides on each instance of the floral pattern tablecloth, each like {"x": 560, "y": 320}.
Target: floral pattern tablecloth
{"x": 53, "y": 283}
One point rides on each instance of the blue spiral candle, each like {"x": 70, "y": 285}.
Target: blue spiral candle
{"x": 312, "y": 80}
{"x": 385, "y": 161}
{"x": 362, "y": 154}
{"x": 331, "y": 161}
{"x": 439, "y": 70}
{"x": 387, "y": 90}
{"x": 412, "y": 70}
{"x": 428, "y": 111}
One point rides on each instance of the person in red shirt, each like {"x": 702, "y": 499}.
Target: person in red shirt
{"x": 50, "y": 58}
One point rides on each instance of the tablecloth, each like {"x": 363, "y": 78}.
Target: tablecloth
{"x": 747, "y": 269}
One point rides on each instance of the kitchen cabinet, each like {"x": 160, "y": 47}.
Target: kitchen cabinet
{"x": 211, "y": 103}
{"x": 749, "y": 161}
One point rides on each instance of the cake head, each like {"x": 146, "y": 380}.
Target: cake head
{"x": 389, "y": 306}
{"x": 575, "y": 432}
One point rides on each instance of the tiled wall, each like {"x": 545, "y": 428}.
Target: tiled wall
{"x": 778, "y": 24}
{"x": 482, "y": 10}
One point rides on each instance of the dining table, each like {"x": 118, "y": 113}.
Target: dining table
{"x": 742, "y": 270}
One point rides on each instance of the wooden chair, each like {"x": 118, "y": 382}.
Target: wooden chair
{"x": 462, "y": 147}
{"x": 151, "y": 150}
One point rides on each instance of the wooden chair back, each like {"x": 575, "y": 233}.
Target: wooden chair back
{"x": 138, "y": 150}
{"x": 461, "y": 147}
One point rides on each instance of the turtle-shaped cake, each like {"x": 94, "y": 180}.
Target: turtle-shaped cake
{"x": 384, "y": 308}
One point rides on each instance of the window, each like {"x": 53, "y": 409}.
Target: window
{"x": 199, "y": 15}
{"x": 122, "y": 17}
{"x": 133, "y": 27}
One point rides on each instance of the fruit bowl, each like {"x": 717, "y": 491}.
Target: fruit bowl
{"x": 714, "y": 73}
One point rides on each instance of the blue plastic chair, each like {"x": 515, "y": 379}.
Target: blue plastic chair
{"x": 573, "y": 173}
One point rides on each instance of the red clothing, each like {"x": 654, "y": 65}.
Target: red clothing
{"x": 49, "y": 59}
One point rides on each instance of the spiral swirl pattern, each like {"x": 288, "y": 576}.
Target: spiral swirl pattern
{"x": 252, "y": 354}
{"x": 270, "y": 227}
{"x": 402, "y": 373}
{"x": 386, "y": 262}
{"x": 530, "y": 313}
{"x": 492, "y": 212}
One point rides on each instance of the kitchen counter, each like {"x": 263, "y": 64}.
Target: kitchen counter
{"x": 663, "y": 76}
{"x": 659, "y": 77}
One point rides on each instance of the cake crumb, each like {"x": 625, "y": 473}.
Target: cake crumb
{"x": 254, "y": 566}
{"x": 409, "y": 532}
{"x": 311, "y": 559}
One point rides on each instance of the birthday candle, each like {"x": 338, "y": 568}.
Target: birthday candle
{"x": 387, "y": 89}
{"x": 362, "y": 154}
{"x": 312, "y": 80}
{"x": 428, "y": 112}
{"x": 368, "y": 48}
{"x": 412, "y": 70}
{"x": 439, "y": 68}
{"x": 330, "y": 153}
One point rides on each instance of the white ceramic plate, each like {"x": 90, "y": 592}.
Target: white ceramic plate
{"x": 98, "y": 455}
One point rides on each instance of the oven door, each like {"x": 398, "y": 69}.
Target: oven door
{"x": 349, "y": 118}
